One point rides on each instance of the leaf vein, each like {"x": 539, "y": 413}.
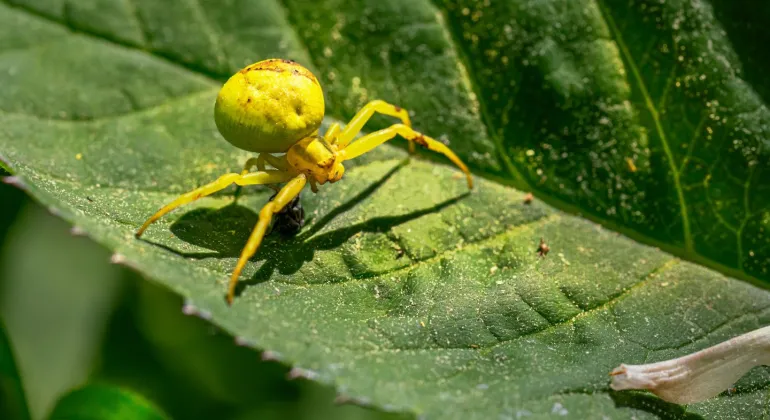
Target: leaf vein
{"x": 450, "y": 252}
{"x": 214, "y": 37}
{"x": 608, "y": 304}
{"x": 691, "y": 147}
{"x": 726, "y": 323}
{"x": 100, "y": 37}
{"x": 133, "y": 11}
{"x": 467, "y": 73}
{"x": 686, "y": 233}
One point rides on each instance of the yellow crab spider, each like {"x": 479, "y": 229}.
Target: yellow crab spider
{"x": 276, "y": 106}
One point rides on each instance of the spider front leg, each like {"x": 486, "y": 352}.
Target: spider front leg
{"x": 372, "y": 140}
{"x": 364, "y": 114}
{"x": 284, "y": 197}
{"x": 224, "y": 181}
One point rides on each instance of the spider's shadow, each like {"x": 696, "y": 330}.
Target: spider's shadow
{"x": 225, "y": 231}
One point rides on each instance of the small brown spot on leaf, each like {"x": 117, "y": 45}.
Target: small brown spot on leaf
{"x": 397, "y": 108}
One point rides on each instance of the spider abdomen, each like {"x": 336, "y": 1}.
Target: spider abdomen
{"x": 269, "y": 105}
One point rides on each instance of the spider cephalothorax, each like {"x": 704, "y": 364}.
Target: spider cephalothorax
{"x": 317, "y": 159}
{"x": 277, "y": 106}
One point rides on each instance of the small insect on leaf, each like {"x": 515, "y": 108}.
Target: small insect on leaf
{"x": 528, "y": 198}
{"x": 543, "y": 248}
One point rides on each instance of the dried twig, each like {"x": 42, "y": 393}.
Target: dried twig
{"x": 700, "y": 375}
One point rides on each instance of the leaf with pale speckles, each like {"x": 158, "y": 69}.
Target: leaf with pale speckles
{"x": 404, "y": 290}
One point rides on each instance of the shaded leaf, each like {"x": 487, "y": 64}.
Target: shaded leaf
{"x": 13, "y": 404}
{"x": 56, "y": 292}
{"x": 105, "y": 402}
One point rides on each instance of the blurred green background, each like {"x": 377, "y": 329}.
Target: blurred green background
{"x": 73, "y": 318}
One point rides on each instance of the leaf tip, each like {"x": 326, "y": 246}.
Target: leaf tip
{"x": 15, "y": 181}
{"x": 362, "y": 401}
{"x": 268, "y": 355}
{"x": 244, "y": 342}
{"x": 77, "y": 231}
{"x": 55, "y": 212}
{"x": 188, "y": 308}
{"x": 116, "y": 258}
{"x": 342, "y": 399}
{"x": 296, "y": 372}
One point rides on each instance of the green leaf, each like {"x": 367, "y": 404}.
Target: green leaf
{"x": 405, "y": 291}
{"x": 54, "y": 310}
{"x": 107, "y": 402}
{"x": 13, "y": 404}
